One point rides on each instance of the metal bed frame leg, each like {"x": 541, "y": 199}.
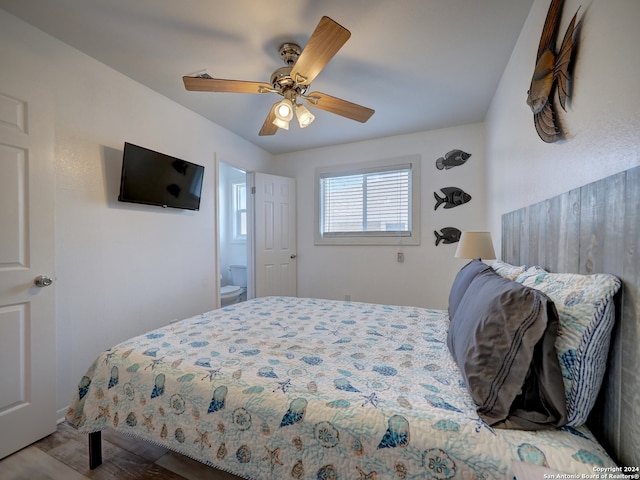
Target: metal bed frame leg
{"x": 95, "y": 450}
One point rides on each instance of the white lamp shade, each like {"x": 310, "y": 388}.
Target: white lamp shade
{"x": 305, "y": 117}
{"x": 475, "y": 245}
{"x": 280, "y": 123}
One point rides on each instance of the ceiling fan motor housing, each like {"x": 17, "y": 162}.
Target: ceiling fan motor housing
{"x": 281, "y": 78}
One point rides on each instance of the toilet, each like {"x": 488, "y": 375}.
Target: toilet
{"x": 230, "y": 294}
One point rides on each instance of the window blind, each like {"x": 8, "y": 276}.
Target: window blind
{"x": 373, "y": 201}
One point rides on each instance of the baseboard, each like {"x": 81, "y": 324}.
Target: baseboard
{"x": 60, "y": 414}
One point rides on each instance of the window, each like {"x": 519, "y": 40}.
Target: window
{"x": 371, "y": 204}
{"x": 239, "y": 211}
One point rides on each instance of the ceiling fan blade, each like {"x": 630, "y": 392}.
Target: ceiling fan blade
{"x": 268, "y": 128}
{"x": 199, "y": 84}
{"x": 325, "y": 41}
{"x": 339, "y": 107}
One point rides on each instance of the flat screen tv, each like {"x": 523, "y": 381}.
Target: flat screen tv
{"x": 154, "y": 178}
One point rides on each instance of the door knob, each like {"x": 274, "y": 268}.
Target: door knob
{"x": 43, "y": 281}
{"x": 292, "y": 256}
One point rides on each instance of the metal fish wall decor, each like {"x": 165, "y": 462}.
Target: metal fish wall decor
{"x": 451, "y": 159}
{"x": 447, "y": 235}
{"x": 551, "y": 74}
{"x": 453, "y": 197}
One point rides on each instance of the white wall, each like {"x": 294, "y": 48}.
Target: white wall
{"x": 602, "y": 120}
{"x": 372, "y": 273}
{"x": 121, "y": 269}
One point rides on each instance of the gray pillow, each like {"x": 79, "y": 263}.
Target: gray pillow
{"x": 502, "y": 336}
{"x": 462, "y": 281}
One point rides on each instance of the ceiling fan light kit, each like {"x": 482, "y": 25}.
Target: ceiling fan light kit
{"x": 284, "y": 110}
{"x": 293, "y": 80}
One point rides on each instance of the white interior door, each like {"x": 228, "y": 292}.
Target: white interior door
{"x": 275, "y": 235}
{"x": 27, "y": 312}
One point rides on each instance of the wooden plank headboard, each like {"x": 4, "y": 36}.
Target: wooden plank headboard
{"x": 591, "y": 229}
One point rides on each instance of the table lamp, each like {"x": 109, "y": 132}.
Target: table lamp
{"x": 475, "y": 245}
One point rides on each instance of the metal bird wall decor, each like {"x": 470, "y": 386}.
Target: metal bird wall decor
{"x": 550, "y": 74}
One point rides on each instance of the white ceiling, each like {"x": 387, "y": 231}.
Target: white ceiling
{"x": 420, "y": 64}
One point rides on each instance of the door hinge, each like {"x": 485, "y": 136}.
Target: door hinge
{"x": 253, "y": 190}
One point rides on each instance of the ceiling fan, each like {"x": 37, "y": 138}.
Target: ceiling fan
{"x": 293, "y": 80}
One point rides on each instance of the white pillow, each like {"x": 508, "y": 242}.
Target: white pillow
{"x": 507, "y": 270}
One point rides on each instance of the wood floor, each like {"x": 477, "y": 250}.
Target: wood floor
{"x": 64, "y": 456}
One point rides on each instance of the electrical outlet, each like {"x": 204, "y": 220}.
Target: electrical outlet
{"x": 400, "y": 257}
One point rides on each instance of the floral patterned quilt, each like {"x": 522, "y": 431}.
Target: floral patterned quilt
{"x": 300, "y": 388}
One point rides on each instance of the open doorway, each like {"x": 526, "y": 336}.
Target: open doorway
{"x": 233, "y": 231}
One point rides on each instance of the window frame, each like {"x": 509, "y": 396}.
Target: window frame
{"x": 237, "y": 235}
{"x": 411, "y": 237}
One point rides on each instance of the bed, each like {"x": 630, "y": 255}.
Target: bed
{"x": 303, "y": 388}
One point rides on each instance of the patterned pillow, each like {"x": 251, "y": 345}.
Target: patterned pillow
{"x": 586, "y": 310}
{"x": 530, "y": 272}
{"x": 507, "y": 270}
